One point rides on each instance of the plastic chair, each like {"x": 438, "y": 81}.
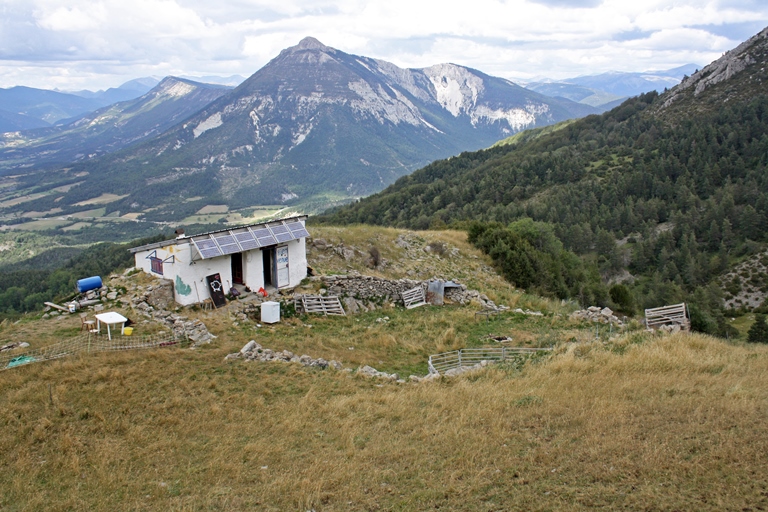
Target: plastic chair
{"x": 88, "y": 325}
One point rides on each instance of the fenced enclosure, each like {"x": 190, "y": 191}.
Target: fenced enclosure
{"x": 89, "y": 342}
{"x": 469, "y": 357}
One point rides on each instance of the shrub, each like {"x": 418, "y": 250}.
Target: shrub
{"x": 375, "y": 257}
{"x": 758, "y": 333}
{"x": 438, "y": 248}
{"x": 623, "y": 298}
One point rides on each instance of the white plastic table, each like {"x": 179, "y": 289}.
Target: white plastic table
{"x": 110, "y": 318}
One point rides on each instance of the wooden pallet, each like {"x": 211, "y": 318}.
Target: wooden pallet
{"x": 414, "y": 297}
{"x": 325, "y": 305}
{"x": 668, "y": 315}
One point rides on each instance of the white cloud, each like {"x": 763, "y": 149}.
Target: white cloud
{"x": 102, "y": 43}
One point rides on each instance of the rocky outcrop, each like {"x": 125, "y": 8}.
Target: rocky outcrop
{"x": 746, "y": 285}
{"x": 724, "y": 68}
{"x": 160, "y": 295}
{"x": 596, "y": 314}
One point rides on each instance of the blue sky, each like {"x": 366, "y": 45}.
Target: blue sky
{"x": 87, "y": 44}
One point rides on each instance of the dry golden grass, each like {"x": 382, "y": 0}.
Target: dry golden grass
{"x": 670, "y": 423}
{"x": 637, "y": 422}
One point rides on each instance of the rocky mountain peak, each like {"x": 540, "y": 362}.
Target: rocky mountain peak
{"x": 310, "y": 43}
{"x": 750, "y": 52}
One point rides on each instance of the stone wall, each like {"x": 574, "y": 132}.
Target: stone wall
{"x": 376, "y": 290}
{"x": 369, "y": 288}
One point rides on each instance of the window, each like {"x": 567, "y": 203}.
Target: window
{"x": 156, "y": 265}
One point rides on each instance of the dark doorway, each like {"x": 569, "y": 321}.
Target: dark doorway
{"x": 267, "y": 256}
{"x": 237, "y": 268}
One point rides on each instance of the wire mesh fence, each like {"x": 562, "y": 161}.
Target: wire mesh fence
{"x": 86, "y": 343}
{"x": 468, "y": 357}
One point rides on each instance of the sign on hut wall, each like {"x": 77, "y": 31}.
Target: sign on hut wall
{"x": 216, "y": 290}
{"x": 283, "y": 275}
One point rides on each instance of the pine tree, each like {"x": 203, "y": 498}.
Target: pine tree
{"x": 758, "y": 333}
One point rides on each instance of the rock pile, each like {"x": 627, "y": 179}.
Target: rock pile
{"x": 154, "y": 301}
{"x": 369, "y": 371}
{"x": 595, "y": 314}
{"x": 253, "y": 351}
{"x": 92, "y": 299}
{"x": 464, "y": 297}
{"x": 669, "y": 328}
{"x": 463, "y": 369}
{"x": 182, "y": 326}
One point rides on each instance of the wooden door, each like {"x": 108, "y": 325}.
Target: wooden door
{"x": 237, "y": 268}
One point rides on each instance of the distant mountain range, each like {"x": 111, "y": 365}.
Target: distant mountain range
{"x": 313, "y": 126}
{"x": 47, "y": 107}
{"x": 108, "y": 129}
{"x": 128, "y": 91}
{"x": 25, "y": 108}
{"x": 607, "y": 90}
{"x": 314, "y": 122}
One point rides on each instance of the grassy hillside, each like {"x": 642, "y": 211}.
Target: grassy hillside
{"x": 634, "y": 421}
{"x": 663, "y": 199}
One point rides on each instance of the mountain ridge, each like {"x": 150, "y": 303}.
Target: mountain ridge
{"x": 316, "y": 122}
{"x": 109, "y": 128}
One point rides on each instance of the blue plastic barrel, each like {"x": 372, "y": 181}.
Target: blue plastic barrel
{"x": 89, "y": 283}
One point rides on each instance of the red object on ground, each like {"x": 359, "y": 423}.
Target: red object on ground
{"x": 262, "y": 292}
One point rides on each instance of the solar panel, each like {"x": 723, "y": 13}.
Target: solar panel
{"x": 297, "y": 229}
{"x": 282, "y": 234}
{"x": 206, "y": 247}
{"x": 284, "y": 237}
{"x": 250, "y": 244}
{"x": 247, "y": 241}
{"x": 224, "y": 239}
{"x": 258, "y": 233}
{"x": 227, "y": 243}
{"x": 264, "y": 236}
{"x": 230, "y": 249}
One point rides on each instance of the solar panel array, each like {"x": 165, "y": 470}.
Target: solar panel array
{"x": 247, "y": 238}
